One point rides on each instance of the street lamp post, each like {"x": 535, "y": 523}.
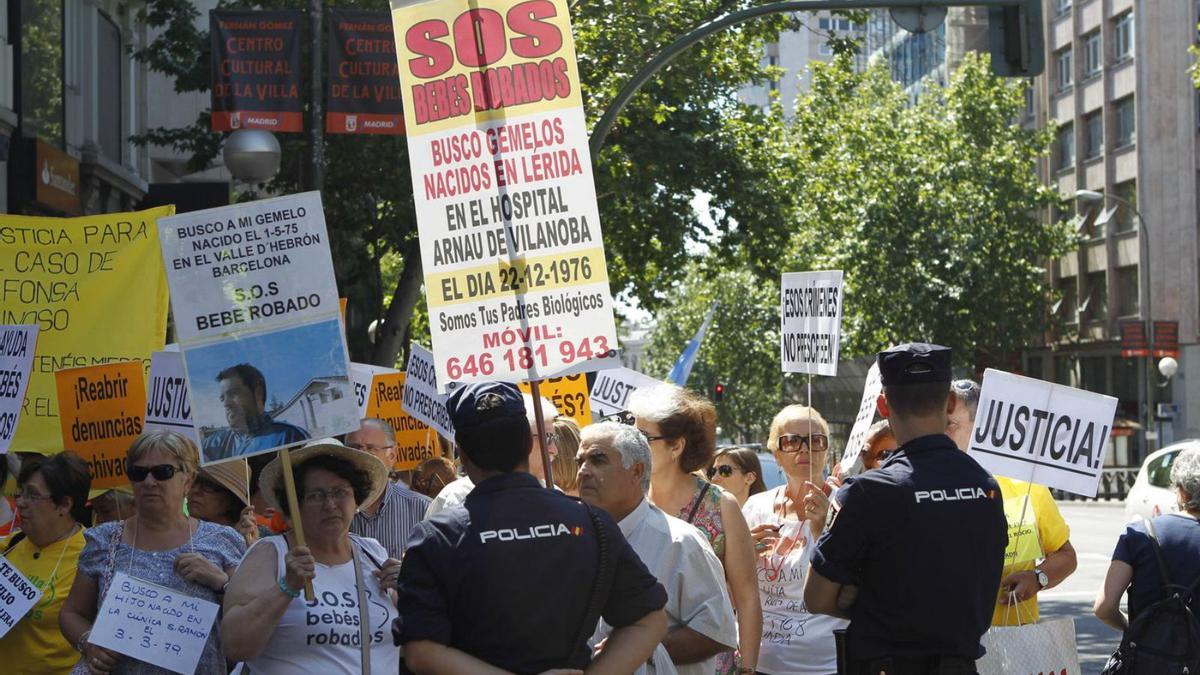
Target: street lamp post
{"x": 1092, "y": 197}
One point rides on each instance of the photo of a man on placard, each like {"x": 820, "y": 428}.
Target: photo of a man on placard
{"x": 251, "y": 429}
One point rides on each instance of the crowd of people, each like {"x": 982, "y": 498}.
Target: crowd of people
{"x": 654, "y": 553}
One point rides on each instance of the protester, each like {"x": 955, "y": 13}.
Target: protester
{"x": 456, "y": 492}
{"x": 1024, "y": 576}
{"x": 268, "y": 624}
{"x": 566, "y": 441}
{"x": 251, "y": 429}
{"x": 221, "y": 494}
{"x": 681, "y": 430}
{"x": 114, "y": 504}
{"x": 614, "y": 475}
{"x": 159, "y": 544}
{"x": 879, "y": 443}
{"x": 1134, "y": 567}
{"x": 52, "y": 500}
{"x": 270, "y": 519}
{"x": 915, "y": 573}
{"x": 10, "y": 464}
{"x": 785, "y": 523}
{"x": 433, "y": 475}
{"x": 519, "y": 575}
{"x": 390, "y": 518}
{"x": 738, "y": 472}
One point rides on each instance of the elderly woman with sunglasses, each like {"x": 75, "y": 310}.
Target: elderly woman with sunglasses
{"x": 681, "y": 430}
{"x": 785, "y": 523}
{"x": 160, "y": 545}
{"x": 268, "y": 624}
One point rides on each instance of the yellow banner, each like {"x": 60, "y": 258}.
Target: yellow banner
{"x": 490, "y": 59}
{"x": 102, "y": 410}
{"x": 96, "y": 288}
{"x": 415, "y": 441}
{"x": 568, "y": 394}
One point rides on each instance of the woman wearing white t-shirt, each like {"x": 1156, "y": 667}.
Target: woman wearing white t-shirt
{"x": 786, "y": 523}
{"x": 271, "y": 626}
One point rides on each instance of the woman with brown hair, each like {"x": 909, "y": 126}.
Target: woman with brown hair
{"x": 681, "y": 430}
{"x": 738, "y": 472}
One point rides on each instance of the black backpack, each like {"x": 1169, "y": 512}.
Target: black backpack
{"x": 1165, "y": 638}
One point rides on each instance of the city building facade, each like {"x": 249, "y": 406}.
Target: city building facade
{"x": 1117, "y": 89}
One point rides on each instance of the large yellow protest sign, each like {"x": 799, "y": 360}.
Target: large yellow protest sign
{"x": 102, "y": 411}
{"x": 569, "y": 395}
{"x": 415, "y": 440}
{"x": 96, "y": 289}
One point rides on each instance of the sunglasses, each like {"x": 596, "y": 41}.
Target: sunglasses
{"x": 724, "y": 470}
{"x": 798, "y": 443}
{"x": 161, "y": 472}
{"x": 623, "y": 417}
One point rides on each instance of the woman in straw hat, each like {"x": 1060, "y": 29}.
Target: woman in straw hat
{"x": 221, "y": 494}
{"x": 270, "y": 626}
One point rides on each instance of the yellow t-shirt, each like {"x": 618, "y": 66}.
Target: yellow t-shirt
{"x": 35, "y": 645}
{"x": 1033, "y": 531}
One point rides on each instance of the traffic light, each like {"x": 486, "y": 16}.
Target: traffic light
{"x": 1017, "y": 39}
{"x": 718, "y": 392}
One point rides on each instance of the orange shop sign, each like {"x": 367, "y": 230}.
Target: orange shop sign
{"x": 56, "y": 179}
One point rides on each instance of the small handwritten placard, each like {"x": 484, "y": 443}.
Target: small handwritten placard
{"x": 17, "y": 596}
{"x": 154, "y": 624}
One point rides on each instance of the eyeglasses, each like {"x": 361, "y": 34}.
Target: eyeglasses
{"x": 161, "y": 472}
{"x": 651, "y": 439}
{"x": 725, "y": 470}
{"x": 366, "y": 447}
{"x": 319, "y": 497}
{"x": 32, "y": 496}
{"x": 798, "y": 443}
{"x": 205, "y": 485}
{"x": 552, "y": 438}
{"x": 623, "y": 416}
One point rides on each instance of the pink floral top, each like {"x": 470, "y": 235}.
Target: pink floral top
{"x": 708, "y": 516}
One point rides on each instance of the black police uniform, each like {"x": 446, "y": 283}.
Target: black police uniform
{"x": 922, "y": 538}
{"x": 508, "y": 577}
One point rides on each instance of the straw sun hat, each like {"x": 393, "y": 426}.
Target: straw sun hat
{"x": 233, "y": 476}
{"x": 272, "y": 474}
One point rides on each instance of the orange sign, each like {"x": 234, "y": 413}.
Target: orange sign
{"x": 56, "y": 177}
{"x": 101, "y": 409}
{"x": 569, "y": 394}
{"x": 415, "y": 440}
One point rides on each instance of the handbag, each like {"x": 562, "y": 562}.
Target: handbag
{"x": 1030, "y": 649}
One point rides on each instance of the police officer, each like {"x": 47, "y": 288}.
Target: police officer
{"x": 518, "y": 576}
{"x": 913, "y": 557}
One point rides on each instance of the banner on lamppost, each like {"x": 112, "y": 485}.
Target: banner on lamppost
{"x": 511, "y": 247}
{"x": 256, "y": 69}
{"x": 362, "y": 93}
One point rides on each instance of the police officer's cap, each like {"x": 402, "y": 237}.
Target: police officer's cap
{"x": 483, "y": 402}
{"x": 914, "y": 363}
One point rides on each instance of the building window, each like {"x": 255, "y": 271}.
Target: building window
{"x": 1124, "y": 221}
{"x": 1029, "y": 100}
{"x": 1093, "y": 374}
{"x": 1095, "y": 305}
{"x": 1064, "y": 371}
{"x": 41, "y": 30}
{"x": 109, "y": 66}
{"x": 1068, "y": 303}
{"x": 1092, "y": 60}
{"x": 1066, "y": 146}
{"x": 1062, "y": 6}
{"x": 1123, "y": 37}
{"x": 1094, "y": 140}
{"x": 824, "y": 50}
{"x": 1099, "y": 217}
{"x": 1125, "y": 386}
{"x": 1127, "y": 291}
{"x": 1126, "y": 122}
{"x": 1066, "y": 68}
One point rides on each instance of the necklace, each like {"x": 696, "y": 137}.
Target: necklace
{"x": 38, "y": 549}
{"x": 137, "y": 524}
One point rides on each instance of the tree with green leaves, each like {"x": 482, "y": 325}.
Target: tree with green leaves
{"x": 932, "y": 209}
{"x": 683, "y": 135}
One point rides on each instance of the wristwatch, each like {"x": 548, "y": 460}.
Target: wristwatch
{"x": 1042, "y": 577}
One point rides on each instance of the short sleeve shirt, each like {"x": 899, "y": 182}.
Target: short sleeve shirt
{"x": 1035, "y": 529}
{"x": 35, "y": 644}
{"x": 922, "y": 537}
{"x": 1179, "y": 539}
{"x": 507, "y": 577}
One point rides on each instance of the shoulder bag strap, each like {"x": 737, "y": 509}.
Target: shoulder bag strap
{"x": 699, "y": 500}
{"x": 600, "y": 585}
{"x": 1163, "y": 574}
{"x": 364, "y": 630}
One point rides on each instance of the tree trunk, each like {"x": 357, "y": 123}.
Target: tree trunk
{"x": 389, "y": 338}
